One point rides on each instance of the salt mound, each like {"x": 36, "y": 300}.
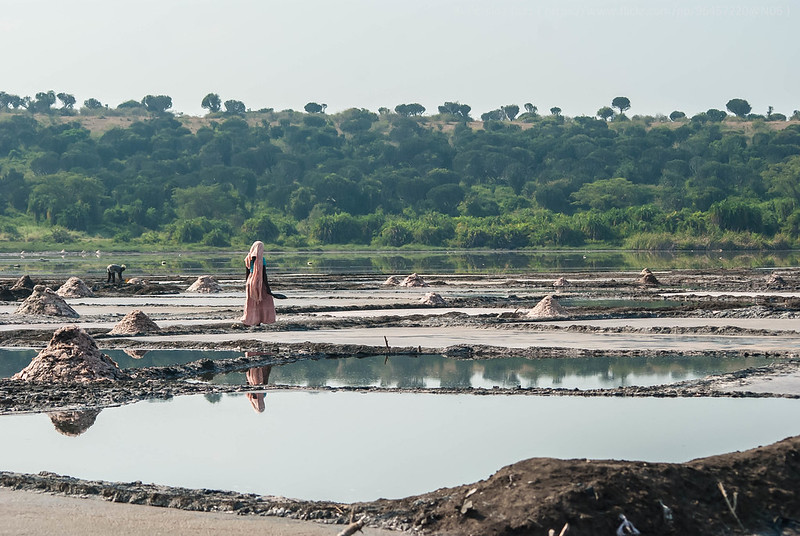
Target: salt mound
{"x": 136, "y": 281}
{"x": 74, "y": 288}
{"x": 548, "y": 308}
{"x": 775, "y": 281}
{"x": 44, "y": 301}
{"x": 71, "y": 356}
{"x": 73, "y": 423}
{"x": 432, "y": 298}
{"x": 206, "y": 284}
{"x": 561, "y": 282}
{"x": 648, "y": 279}
{"x": 413, "y": 281}
{"x": 393, "y": 281}
{"x": 24, "y": 282}
{"x": 134, "y": 323}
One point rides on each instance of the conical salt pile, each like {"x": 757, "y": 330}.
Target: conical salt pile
{"x": 134, "y": 323}
{"x": 74, "y": 288}
{"x": 392, "y": 281}
{"x": 432, "y": 298}
{"x": 548, "y": 308}
{"x": 71, "y": 356}
{"x": 206, "y": 284}
{"x": 23, "y": 282}
{"x": 413, "y": 281}
{"x": 561, "y": 282}
{"x": 73, "y": 423}
{"x": 775, "y": 281}
{"x": 44, "y": 301}
{"x": 647, "y": 278}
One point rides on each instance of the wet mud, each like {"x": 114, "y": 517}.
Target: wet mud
{"x": 528, "y": 497}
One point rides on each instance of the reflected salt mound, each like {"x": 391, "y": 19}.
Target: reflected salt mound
{"x": 73, "y": 423}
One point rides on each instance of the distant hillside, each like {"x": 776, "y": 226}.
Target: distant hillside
{"x": 295, "y": 179}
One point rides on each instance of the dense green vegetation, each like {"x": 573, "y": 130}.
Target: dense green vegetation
{"x": 139, "y": 177}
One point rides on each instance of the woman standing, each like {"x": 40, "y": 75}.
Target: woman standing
{"x": 259, "y": 307}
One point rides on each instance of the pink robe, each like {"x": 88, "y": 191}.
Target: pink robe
{"x": 259, "y": 308}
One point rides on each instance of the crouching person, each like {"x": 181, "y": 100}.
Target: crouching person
{"x": 114, "y": 271}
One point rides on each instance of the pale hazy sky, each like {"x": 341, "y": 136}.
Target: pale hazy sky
{"x": 574, "y": 54}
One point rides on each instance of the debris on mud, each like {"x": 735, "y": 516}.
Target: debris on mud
{"x": 44, "y": 301}
{"x": 432, "y": 298}
{"x": 205, "y": 284}
{"x": 71, "y": 356}
{"x": 548, "y": 308}
{"x": 134, "y": 323}
{"x": 74, "y": 287}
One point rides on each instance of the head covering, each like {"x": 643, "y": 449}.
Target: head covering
{"x": 255, "y": 284}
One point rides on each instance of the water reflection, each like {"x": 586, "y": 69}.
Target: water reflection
{"x": 464, "y": 261}
{"x": 73, "y": 423}
{"x": 257, "y": 376}
{"x": 437, "y": 371}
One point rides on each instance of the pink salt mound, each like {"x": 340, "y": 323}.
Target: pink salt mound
{"x": 134, "y": 323}
{"x": 548, "y": 308}
{"x": 413, "y": 281}
{"x": 432, "y": 298}
{"x": 44, "y": 301}
{"x": 71, "y": 356}
{"x": 206, "y": 284}
{"x": 74, "y": 288}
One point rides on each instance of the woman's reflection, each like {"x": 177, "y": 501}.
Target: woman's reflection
{"x": 257, "y": 376}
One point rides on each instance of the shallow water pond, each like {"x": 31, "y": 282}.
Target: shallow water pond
{"x": 355, "y": 447}
{"x": 435, "y": 371}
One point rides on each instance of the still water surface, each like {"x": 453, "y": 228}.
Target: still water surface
{"x": 355, "y": 447}
{"x": 435, "y": 371}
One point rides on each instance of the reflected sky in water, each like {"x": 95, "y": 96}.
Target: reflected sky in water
{"x": 356, "y": 447}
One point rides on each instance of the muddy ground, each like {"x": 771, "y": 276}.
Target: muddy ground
{"x": 529, "y": 497}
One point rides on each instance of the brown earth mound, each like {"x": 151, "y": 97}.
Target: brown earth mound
{"x": 23, "y": 282}
{"x": 71, "y": 356}
{"x": 413, "y": 281}
{"x": 44, "y": 301}
{"x": 134, "y": 323}
{"x": 205, "y": 284}
{"x": 548, "y": 308}
{"x": 432, "y": 298}
{"x": 74, "y": 288}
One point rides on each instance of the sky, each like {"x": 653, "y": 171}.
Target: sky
{"x": 573, "y": 54}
